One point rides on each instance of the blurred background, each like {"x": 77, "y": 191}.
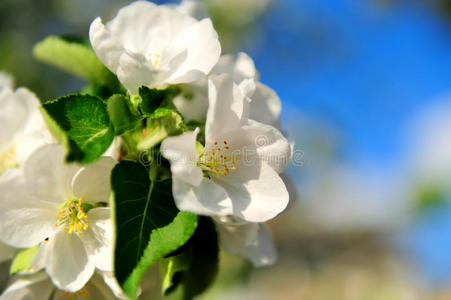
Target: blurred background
{"x": 366, "y": 91}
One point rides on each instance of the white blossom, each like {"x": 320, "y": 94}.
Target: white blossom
{"x": 60, "y": 207}
{"x": 251, "y": 240}
{"x": 151, "y": 45}
{"x": 38, "y": 286}
{"x": 237, "y": 173}
{"x": 22, "y": 127}
{"x": 6, "y": 80}
{"x": 265, "y": 106}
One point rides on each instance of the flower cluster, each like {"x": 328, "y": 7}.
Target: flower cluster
{"x": 170, "y": 146}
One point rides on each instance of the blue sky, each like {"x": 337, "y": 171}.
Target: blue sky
{"x": 364, "y": 66}
{"x": 367, "y": 69}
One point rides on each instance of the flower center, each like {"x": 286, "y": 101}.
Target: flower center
{"x": 79, "y": 295}
{"x": 154, "y": 59}
{"x": 218, "y": 160}
{"x": 7, "y": 158}
{"x": 72, "y": 216}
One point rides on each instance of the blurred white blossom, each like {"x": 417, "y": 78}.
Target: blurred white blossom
{"x": 151, "y": 45}
{"x": 23, "y": 127}
{"x": 251, "y": 240}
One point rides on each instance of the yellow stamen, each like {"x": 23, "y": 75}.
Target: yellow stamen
{"x": 72, "y": 217}
{"x": 7, "y": 158}
{"x": 154, "y": 59}
{"x": 82, "y": 294}
{"x": 217, "y": 160}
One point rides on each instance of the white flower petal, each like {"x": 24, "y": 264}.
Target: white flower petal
{"x": 135, "y": 71}
{"x": 107, "y": 47}
{"x": 192, "y": 102}
{"x": 97, "y": 289}
{"x": 98, "y": 239}
{"x": 24, "y": 128}
{"x": 6, "y": 80}
{"x": 241, "y": 67}
{"x": 152, "y": 45}
{"x": 193, "y": 8}
{"x": 31, "y": 287}
{"x": 13, "y": 115}
{"x": 92, "y": 183}
{"x": 114, "y": 150}
{"x": 262, "y": 252}
{"x": 182, "y": 154}
{"x": 143, "y": 27}
{"x": 248, "y": 87}
{"x": 265, "y": 105}
{"x": 111, "y": 282}
{"x": 201, "y": 41}
{"x": 257, "y": 191}
{"x": 252, "y": 240}
{"x": 235, "y": 234}
{"x": 48, "y": 176}
{"x": 206, "y": 199}
{"x": 42, "y": 256}
{"x": 259, "y": 142}
{"x": 69, "y": 265}
{"x": 272, "y": 147}
{"x": 226, "y": 107}
{"x": 25, "y": 220}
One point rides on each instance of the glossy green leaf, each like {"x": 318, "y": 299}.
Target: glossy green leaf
{"x": 204, "y": 262}
{"x": 76, "y": 57}
{"x": 123, "y": 115}
{"x": 162, "y": 123}
{"x": 84, "y": 122}
{"x": 148, "y": 224}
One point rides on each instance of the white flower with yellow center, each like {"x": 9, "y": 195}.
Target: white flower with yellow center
{"x": 265, "y": 106}
{"x": 22, "y": 127}
{"x": 61, "y": 207}
{"x": 237, "y": 173}
{"x": 39, "y": 287}
{"x": 151, "y": 45}
{"x": 251, "y": 240}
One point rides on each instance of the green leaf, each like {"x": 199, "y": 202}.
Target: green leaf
{"x": 162, "y": 112}
{"x": 83, "y": 121}
{"x": 429, "y": 195}
{"x": 22, "y": 260}
{"x": 123, "y": 115}
{"x": 148, "y": 224}
{"x": 151, "y": 99}
{"x": 191, "y": 271}
{"x": 172, "y": 269}
{"x": 193, "y": 124}
{"x": 204, "y": 262}
{"x": 75, "y": 57}
{"x": 162, "y": 123}
{"x": 100, "y": 91}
